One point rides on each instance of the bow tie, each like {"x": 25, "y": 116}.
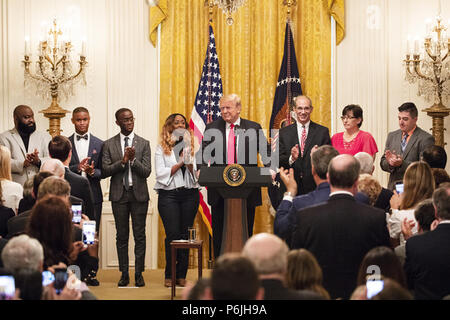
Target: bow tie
{"x": 82, "y": 137}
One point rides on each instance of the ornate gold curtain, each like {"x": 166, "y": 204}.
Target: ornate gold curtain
{"x": 250, "y": 54}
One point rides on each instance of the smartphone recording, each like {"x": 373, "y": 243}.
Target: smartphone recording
{"x": 89, "y": 232}
{"x": 76, "y": 213}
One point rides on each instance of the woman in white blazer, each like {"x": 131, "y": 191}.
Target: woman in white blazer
{"x": 12, "y": 191}
{"x": 177, "y": 187}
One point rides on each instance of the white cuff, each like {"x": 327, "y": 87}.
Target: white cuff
{"x": 288, "y": 198}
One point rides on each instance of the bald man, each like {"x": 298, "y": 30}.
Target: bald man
{"x": 269, "y": 254}
{"x": 341, "y": 231}
{"x": 28, "y": 147}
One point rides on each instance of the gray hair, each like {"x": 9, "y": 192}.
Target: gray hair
{"x": 54, "y": 186}
{"x": 268, "y": 253}
{"x": 54, "y": 166}
{"x": 441, "y": 201}
{"x": 365, "y": 161}
{"x": 22, "y": 252}
{"x": 321, "y": 159}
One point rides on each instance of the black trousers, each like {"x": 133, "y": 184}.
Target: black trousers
{"x": 217, "y": 224}
{"x": 98, "y": 214}
{"x": 122, "y": 210}
{"x": 177, "y": 209}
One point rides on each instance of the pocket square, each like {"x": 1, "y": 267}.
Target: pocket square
{"x": 94, "y": 151}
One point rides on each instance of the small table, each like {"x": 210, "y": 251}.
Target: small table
{"x": 175, "y": 245}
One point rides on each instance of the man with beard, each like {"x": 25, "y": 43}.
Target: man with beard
{"x": 28, "y": 147}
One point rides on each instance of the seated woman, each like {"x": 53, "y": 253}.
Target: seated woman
{"x": 419, "y": 185}
{"x": 5, "y": 215}
{"x": 12, "y": 191}
{"x": 353, "y": 140}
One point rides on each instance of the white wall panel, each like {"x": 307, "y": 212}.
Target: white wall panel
{"x": 122, "y": 69}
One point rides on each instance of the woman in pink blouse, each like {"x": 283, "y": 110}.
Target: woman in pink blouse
{"x": 354, "y": 140}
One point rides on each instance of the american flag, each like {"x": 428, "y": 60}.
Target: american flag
{"x": 206, "y": 108}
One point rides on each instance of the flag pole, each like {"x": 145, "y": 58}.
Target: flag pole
{"x": 210, "y": 4}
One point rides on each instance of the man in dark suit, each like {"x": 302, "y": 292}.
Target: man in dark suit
{"x": 296, "y": 142}
{"x": 427, "y": 262}
{"x": 127, "y": 160}
{"x": 232, "y": 131}
{"x": 341, "y": 231}
{"x": 60, "y": 148}
{"x": 86, "y": 157}
{"x": 269, "y": 254}
{"x": 405, "y": 145}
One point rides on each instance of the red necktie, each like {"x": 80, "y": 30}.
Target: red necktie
{"x": 302, "y": 143}
{"x": 231, "y": 150}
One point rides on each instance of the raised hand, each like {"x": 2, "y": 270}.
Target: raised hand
{"x": 295, "y": 152}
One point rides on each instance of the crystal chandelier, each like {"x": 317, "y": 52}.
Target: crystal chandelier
{"x": 229, "y": 7}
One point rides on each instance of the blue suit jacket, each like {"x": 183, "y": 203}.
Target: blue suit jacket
{"x": 95, "y": 153}
{"x": 285, "y": 218}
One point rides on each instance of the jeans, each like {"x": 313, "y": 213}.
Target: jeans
{"x": 177, "y": 209}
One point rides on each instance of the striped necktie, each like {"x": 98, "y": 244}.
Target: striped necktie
{"x": 303, "y": 140}
{"x": 404, "y": 142}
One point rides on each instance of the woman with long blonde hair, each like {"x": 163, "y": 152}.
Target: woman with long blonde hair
{"x": 177, "y": 187}
{"x": 12, "y": 192}
{"x": 418, "y": 185}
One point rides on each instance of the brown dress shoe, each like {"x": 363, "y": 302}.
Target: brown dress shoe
{"x": 181, "y": 282}
{"x": 167, "y": 283}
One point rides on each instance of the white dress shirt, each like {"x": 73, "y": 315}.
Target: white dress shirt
{"x": 82, "y": 147}
{"x": 299, "y": 132}
{"x": 163, "y": 166}
{"x": 130, "y": 143}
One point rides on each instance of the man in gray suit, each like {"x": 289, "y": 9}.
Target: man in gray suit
{"x": 405, "y": 145}
{"x": 126, "y": 158}
{"x": 28, "y": 147}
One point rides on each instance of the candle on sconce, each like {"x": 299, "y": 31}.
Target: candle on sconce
{"x": 408, "y": 45}
{"x": 428, "y": 27}
{"x": 83, "y": 48}
{"x": 27, "y": 46}
{"x": 416, "y": 46}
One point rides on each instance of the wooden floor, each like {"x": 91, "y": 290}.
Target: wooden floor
{"x": 154, "y": 285}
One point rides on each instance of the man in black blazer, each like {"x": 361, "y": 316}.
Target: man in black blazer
{"x": 427, "y": 262}
{"x": 341, "y": 231}
{"x": 230, "y": 107}
{"x": 86, "y": 157}
{"x": 60, "y": 148}
{"x": 296, "y": 142}
{"x": 126, "y": 159}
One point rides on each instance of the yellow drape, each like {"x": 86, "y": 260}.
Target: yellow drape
{"x": 250, "y": 54}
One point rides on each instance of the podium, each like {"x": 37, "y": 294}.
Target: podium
{"x": 234, "y": 183}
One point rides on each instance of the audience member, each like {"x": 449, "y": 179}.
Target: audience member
{"x": 367, "y": 167}
{"x": 435, "y": 156}
{"x": 17, "y": 224}
{"x": 60, "y": 148}
{"x": 424, "y": 214}
{"x": 12, "y": 191}
{"x": 386, "y": 262}
{"x": 405, "y": 145}
{"x": 341, "y": 231}
{"x": 304, "y": 272}
{"x": 27, "y": 202}
{"x": 23, "y": 252}
{"x": 29, "y": 283}
{"x": 28, "y": 147}
{"x": 286, "y": 212}
{"x": 370, "y": 186}
{"x": 234, "y": 278}
{"x": 197, "y": 290}
{"x": 418, "y": 185}
{"x": 353, "y": 140}
{"x": 5, "y": 215}
{"x": 427, "y": 263}
{"x": 391, "y": 290}
{"x": 269, "y": 255}
{"x": 440, "y": 176}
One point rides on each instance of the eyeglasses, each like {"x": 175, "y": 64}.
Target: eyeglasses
{"x": 347, "y": 118}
